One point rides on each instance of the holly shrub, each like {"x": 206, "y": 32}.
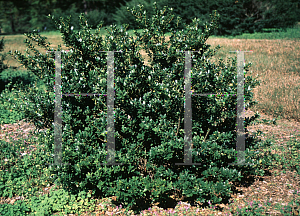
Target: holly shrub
{"x": 148, "y": 111}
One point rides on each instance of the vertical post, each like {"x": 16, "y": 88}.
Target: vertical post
{"x": 240, "y": 139}
{"x": 240, "y": 111}
{"x": 110, "y": 157}
{"x": 57, "y": 112}
{"x": 188, "y": 159}
{"x": 110, "y": 113}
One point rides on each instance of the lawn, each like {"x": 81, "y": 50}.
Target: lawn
{"x": 275, "y": 58}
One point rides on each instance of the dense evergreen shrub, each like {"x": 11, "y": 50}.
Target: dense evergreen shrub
{"x": 149, "y": 112}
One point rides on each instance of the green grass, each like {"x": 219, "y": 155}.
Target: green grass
{"x": 289, "y": 34}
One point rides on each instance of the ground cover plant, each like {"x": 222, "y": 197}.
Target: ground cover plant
{"x": 54, "y": 203}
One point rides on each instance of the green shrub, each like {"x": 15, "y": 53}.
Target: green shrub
{"x": 153, "y": 97}
{"x": 12, "y": 82}
{"x": 15, "y": 78}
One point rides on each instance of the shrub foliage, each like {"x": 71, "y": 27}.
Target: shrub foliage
{"x": 149, "y": 111}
